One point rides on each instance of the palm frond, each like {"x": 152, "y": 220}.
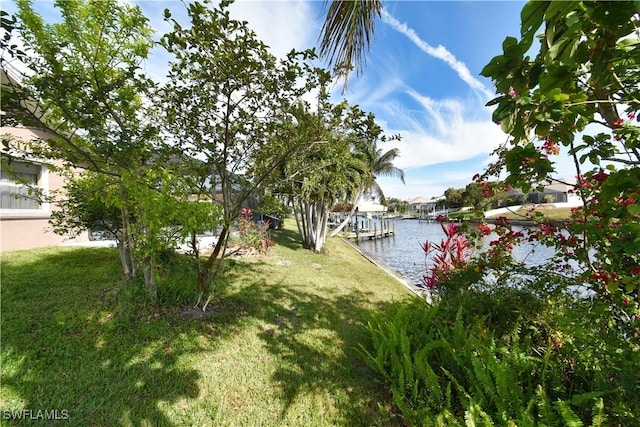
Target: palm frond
{"x": 347, "y": 32}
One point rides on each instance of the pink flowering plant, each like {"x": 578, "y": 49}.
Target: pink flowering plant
{"x": 579, "y": 97}
{"x": 442, "y": 259}
{"x": 252, "y": 236}
{"x": 572, "y": 322}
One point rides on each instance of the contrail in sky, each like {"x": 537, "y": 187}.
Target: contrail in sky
{"x": 439, "y": 52}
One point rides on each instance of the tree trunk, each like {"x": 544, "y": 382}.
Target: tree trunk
{"x": 203, "y": 277}
{"x": 124, "y": 256}
{"x": 149, "y": 281}
{"x": 335, "y": 232}
{"x": 309, "y": 227}
{"x": 317, "y": 216}
{"x": 196, "y": 252}
{"x": 606, "y": 108}
{"x": 127, "y": 255}
{"x": 297, "y": 215}
{"x": 320, "y": 226}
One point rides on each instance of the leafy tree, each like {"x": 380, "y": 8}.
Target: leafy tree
{"x": 584, "y": 80}
{"x": 85, "y": 88}
{"x": 83, "y": 207}
{"x": 453, "y": 197}
{"x": 474, "y": 196}
{"x": 12, "y": 93}
{"x": 162, "y": 213}
{"x": 226, "y": 98}
{"x": 580, "y": 91}
{"x": 396, "y": 205}
{"x": 329, "y": 171}
{"x": 378, "y": 163}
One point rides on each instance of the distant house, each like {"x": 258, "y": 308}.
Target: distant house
{"x": 424, "y": 207}
{"x": 418, "y": 203}
{"x": 370, "y": 208}
{"x": 551, "y": 191}
{"x": 556, "y": 191}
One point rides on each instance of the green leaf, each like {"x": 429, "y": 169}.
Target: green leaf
{"x": 495, "y": 67}
{"x": 634, "y": 209}
{"x": 531, "y": 17}
{"x": 543, "y": 128}
{"x": 563, "y": 97}
{"x": 495, "y": 101}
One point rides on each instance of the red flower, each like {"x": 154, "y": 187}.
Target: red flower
{"x": 451, "y": 229}
{"x": 547, "y": 229}
{"x": 628, "y": 201}
{"x": 618, "y": 123}
{"x": 581, "y": 182}
{"x": 550, "y": 147}
{"x": 487, "y": 191}
{"x": 502, "y": 220}
{"x": 601, "y": 177}
{"x": 484, "y": 229}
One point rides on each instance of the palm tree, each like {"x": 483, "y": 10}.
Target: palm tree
{"x": 347, "y": 33}
{"x": 379, "y": 164}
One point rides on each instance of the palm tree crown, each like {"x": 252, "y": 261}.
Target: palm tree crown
{"x": 380, "y": 164}
{"x": 347, "y": 32}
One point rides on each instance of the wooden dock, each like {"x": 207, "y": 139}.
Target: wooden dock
{"x": 374, "y": 230}
{"x": 370, "y": 235}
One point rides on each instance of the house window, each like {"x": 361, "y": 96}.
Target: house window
{"x": 18, "y": 185}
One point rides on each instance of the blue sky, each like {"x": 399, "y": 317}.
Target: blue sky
{"x": 421, "y": 78}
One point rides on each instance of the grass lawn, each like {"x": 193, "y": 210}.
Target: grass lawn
{"x": 278, "y": 346}
{"x": 550, "y": 213}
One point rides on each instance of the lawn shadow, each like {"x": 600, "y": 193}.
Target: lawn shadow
{"x": 289, "y": 238}
{"x": 66, "y": 347}
{"x": 317, "y": 339}
{"x": 64, "y": 351}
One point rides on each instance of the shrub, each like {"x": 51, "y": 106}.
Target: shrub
{"x": 454, "y": 369}
{"x": 252, "y": 236}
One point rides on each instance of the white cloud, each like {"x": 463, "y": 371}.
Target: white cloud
{"x": 439, "y": 52}
{"x": 425, "y": 184}
{"x": 470, "y": 140}
{"x": 443, "y": 131}
{"x": 282, "y": 25}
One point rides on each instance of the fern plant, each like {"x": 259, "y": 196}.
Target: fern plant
{"x": 444, "y": 372}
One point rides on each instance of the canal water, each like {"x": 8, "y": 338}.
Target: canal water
{"x": 403, "y": 251}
